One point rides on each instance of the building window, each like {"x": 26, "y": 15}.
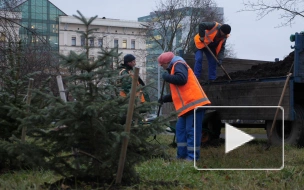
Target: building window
{"x": 73, "y": 41}
{"x": 115, "y": 43}
{"x": 132, "y": 44}
{"x": 66, "y": 26}
{"x": 124, "y": 44}
{"x": 34, "y": 39}
{"x": 55, "y": 28}
{"x": 82, "y": 41}
{"x": 92, "y": 42}
{"x": 100, "y": 42}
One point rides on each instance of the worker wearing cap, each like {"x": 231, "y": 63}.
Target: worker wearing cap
{"x": 214, "y": 35}
{"x": 186, "y": 95}
{"x": 126, "y": 82}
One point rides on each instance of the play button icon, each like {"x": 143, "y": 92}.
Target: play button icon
{"x": 235, "y": 138}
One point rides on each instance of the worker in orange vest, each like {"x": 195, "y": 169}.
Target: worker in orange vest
{"x": 126, "y": 83}
{"x": 186, "y": 95}
{"x": 214, "y": 35}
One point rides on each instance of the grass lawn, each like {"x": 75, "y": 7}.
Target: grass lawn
{"x": 164, "y": 174}
{"x": 24, "y": 180}
{"x": 158, "y": 173}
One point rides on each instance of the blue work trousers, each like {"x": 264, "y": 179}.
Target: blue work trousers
{"x": 185, "y": 135}
{"x": 212, "y": 64}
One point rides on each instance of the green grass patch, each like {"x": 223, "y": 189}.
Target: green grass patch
{"x": 161, "y": 174}
{"x": 26, "y": 179}
{"x": 166, "y": 174}
{"x": 248, "y": 156}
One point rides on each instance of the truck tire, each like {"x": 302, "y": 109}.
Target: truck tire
{"x": 294, "y": 130}
{"x": 211, "y": 128}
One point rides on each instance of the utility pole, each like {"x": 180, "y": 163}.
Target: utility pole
{"x": 158, "y": 73}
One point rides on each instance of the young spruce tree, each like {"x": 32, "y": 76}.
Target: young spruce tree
{"x": 82, "y": 137}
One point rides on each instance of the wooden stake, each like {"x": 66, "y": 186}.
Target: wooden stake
{"x": 28, "y": 102}
{"x": 124, "y": 146}
{"x": 61, "y": 88}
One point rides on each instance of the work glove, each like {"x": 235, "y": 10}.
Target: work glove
{"x": 202, "y": 39}
{"x": 160, "y": 100}
{"x": 165, "y": 75}
{"x": 165, "y": 98}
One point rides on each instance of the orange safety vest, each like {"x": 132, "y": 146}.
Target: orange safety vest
{"x": 209, "y": 36}
{"x": 187, "y": 97}
{"x": 140, "y": 93}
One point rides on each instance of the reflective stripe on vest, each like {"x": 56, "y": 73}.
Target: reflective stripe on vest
{"x": 219, "y": 46}
{"x": 187, "y": 97}
{"x": 192, "y": 104}
{"x": 210, "y": 34}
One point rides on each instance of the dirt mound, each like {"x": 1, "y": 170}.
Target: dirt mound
{"x": 264, "y": 70}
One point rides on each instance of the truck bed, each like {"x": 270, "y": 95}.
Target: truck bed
{"x": 262, "y": 92}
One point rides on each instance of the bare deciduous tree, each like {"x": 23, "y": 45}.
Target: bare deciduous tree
{"x": 28, "y": 51}
{"x": 288, "y": 9}
{"x": 174, "y": 22}
{"x": 229, "y": 51}
{"x": 173, "y": 25}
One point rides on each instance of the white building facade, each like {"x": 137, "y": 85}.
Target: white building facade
{"x": 9, "y": 26}
{"x": 128, "y": 36}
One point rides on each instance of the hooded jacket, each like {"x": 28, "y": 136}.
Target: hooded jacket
{"x": 186, "y": 92}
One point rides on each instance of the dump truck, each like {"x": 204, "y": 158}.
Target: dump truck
{"x": 285, "y": 91}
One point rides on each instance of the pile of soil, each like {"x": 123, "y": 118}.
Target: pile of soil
{"x": 264, "y": 70}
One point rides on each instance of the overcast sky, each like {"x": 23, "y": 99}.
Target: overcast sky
{"x": 251, "y": 38}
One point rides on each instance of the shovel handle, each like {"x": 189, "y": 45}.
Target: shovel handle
{"x": 225, "y": 72}
{"x": 161, "y": 95}
{"x": 280, "y": 102}
{"x": 217, "y": 61}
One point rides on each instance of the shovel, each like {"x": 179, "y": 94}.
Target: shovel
{"x": 277, "y": 111}
{"x": 161, "y": 96}
{"x": 159, "y": 107}
{"x": 217, "y": 61}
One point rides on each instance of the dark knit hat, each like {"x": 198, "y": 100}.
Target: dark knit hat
{"x": 128, "y": 58}
{"x": 225, "y": 28}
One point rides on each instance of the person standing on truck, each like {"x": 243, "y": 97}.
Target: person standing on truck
{"x": 186, "y": 95}
{"x": 214, "y": 35}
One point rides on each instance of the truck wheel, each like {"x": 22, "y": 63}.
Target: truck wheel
{"x": 293, "y": 130}
{"x": 211, "y": 128}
